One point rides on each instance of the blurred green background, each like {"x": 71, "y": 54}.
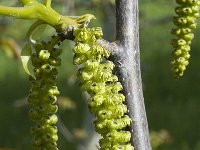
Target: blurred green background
{"x": 173, "y": 106}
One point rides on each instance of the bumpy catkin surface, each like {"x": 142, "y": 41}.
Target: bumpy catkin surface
{"x": 185, "y": 21}
{"x": 106, "y": 99}
{"x": 43, "y": 95}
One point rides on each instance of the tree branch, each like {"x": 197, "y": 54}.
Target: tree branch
{"x": 128, "y": 66}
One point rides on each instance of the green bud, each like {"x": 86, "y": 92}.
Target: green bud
{"x": 187, "y": 56}
{"x": 85, "y": 76}
{"x": 193, "y": 26}
{"x": 81, "y": 36}
{"x": 91, "y": 65}
{"x": 53, "y": 91}
{"x": 192, "y": 2}
{"x": 50, "y": 119}
{"x": 186, "y": 63}
{"x": 181, "y": 42}
{"x": 195, "y": 8}
{"x": 123, "y": 136}
{"x": 98, "y": 32}
{"x": 97, "y": 50}
{"x": 81, "y": 48}
{"x": 47, "y": 109}
{"x": 44, "y": 55}
{"x": 180, "y": 21}
{"x": 51, "y": 99}
{"x": 191, "y": 19}
{"x": 186, "y": 30}
{"x": 189, "y": 36}
{"x": 116, "y": 87}
{"x": 97, "y": 87}
{"x": 178, "y": 52}
{"x": 79, "y": 59}
{"x": 95, "y": 101}
{"x": 46, "y": 68}
{"x": 181, "y": 68}
{"x": 187, "y": 10}
{"x": 55, "y": 62}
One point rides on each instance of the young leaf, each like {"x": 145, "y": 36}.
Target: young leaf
{"x": 26, "y": 60}
{"x": 35, "y": 31}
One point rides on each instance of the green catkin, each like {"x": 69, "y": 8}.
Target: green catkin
{"x": 43, "y": 95}
{"x": 105, "y": 101}
{"x": 187, "y": 14}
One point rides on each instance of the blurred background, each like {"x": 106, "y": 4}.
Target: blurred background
{"x": 173, "y": 106}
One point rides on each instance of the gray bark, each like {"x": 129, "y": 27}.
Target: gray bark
{"x": 127, "y": 61}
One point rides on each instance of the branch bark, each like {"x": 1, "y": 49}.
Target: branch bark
{"x": 127, "y": 63}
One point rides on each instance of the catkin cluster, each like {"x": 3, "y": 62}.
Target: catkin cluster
{"x": 106, "y": 101}
{"x": 43, "y": 95}
{"x": 187, "y": 14}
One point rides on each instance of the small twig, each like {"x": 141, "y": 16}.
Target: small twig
{"x": 35, "y": 10}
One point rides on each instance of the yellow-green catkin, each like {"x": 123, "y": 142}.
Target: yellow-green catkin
{"x": 185, "y": 21}
{"x": 43, "y": 95}
{"x": 106, "y": 99}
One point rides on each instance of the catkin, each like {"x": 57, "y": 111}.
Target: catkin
{"x": 185, "y": 21}
{"x": 97, "y": 79}
{"x": 43, "y": 95}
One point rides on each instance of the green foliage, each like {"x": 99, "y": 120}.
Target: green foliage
{"x": 26, "y": 60}
{"x": 106, "y": 101}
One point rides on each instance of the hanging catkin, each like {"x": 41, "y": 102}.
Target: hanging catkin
{"x": 106, "y": 99}
{"x": 187, "y": 14}
{"x": 43, "y": 94}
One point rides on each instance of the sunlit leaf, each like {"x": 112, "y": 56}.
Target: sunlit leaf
{"x": 26, "y": 60}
